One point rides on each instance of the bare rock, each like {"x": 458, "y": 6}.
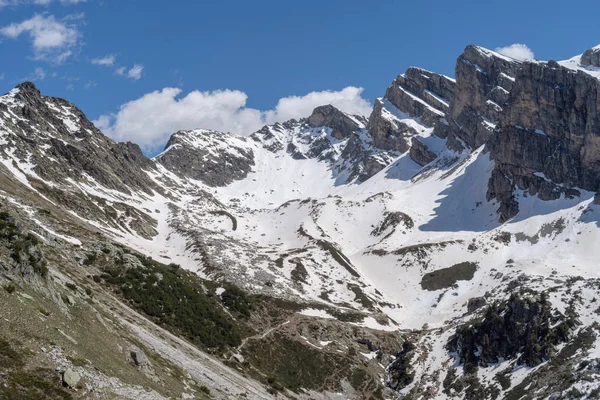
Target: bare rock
{"x": 340, "y": 123}
{"x": 475, "y": 303}
{"x": 591, "y": 57}
{"x": 70, "y": 378}
{"x": 137, "y": 356}
{"x": 420, "y": 153}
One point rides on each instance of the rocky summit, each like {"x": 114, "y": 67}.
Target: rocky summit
{"x": 441, "y": 248}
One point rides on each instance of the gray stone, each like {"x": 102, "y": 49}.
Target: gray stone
{"x": 137, "y": 356}
{"x": 214, "y": 167}
{"x": 591, "y": 57}
{"x": 475, "y": 304}
{"x": 342, "y": 125}
{"x": 70, "y": 378}
{"x": 420, "y": 153}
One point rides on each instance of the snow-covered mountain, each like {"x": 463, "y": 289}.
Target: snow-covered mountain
{"x": 460, "y": 219}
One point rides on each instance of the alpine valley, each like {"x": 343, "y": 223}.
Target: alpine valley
{"x": 442, "y": 248}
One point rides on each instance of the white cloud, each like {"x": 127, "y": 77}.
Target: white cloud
{"x": 37, "y": 75}
{"x": 134, "y": 73}
{"x": 108, "y": 60}
{"x": 1, "y": 77}
{"x": 52, "y": 40}
{"x": 151, "y": 119}
{"x": 517, "y": 51}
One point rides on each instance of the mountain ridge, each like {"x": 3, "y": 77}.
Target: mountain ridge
{"x": 410, "y": 226}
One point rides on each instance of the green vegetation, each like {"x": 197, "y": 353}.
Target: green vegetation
{"x": 175, "y": 298}
{"x": 44, "y": 311}
{"x": 90, "y": 259}
{"x": 10, "y": 288}
{"x": 18, "y": 383}
{"x": 293, "y": 365}
{"x": 237, "y": 301}
{"x": 522, "y": 327}
{"x": 205, "y": 390}
{"x": 447, "y": 277}
{"x": 23, "y": 247}
{"x": 401, "y": 373}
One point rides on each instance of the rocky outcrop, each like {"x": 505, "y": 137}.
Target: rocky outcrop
{"x": 387, "y": 133}
{"x": 214, "y": 158}
{"x": 56, "y": 137}
{"x": 421, "y": 94}
{"x": 591, "y": 57}
{"x": 420, "y": 153}
{"x": 548, "y": 137}
{"x": 523, "y": 328}
{"x": 484, "y": 80}
{"x": 415, "y": 101}
{"x": 341, "y": 124}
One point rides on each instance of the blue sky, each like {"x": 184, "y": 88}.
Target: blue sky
{"x": 150, "y": 55}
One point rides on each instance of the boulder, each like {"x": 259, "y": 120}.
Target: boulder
{"x": 70, "y": 378}
{"x": 137, "y": 356}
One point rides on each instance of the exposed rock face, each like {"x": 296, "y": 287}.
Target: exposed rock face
{"x": 331, "y": 136}
{"x": 421, "y": 94}
{"x": 212, "y": 157}
{"x": 591, "y": 57}
{"x": 56, "y": 136}
{"x": 484, "y": 80}
{"x": 475, "y": 304}
{"x": 341, "y": 124}
{"x": 549, "y": 135}
{"x": 517, "y": 329}
{"x": 387, "y": 133}
{"x": 413, "y": 104}
{"x": 420, "y": 153}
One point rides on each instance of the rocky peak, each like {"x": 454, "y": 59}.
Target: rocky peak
{"x": 341, "y": 124}
{"x": 212, "y": 157}
{"x": 28, "y": 89}
{"x": 56, "y": 141}
{"x": 484, "y": 80}
{"x": 591, "y": 57}
{"x": 413, "y": 104}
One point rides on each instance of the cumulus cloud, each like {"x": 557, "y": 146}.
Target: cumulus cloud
{"x": 52, "y": 40}
{"x": 151, "y": 119}
{"x": 517, "y": 51}
{"x": 107, "y": 61}
{"x": 135, "y": 73}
